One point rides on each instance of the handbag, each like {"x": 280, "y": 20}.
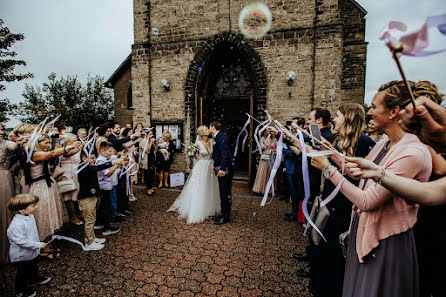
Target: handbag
{"x": 58, "y": 171}
{"x": 67, "y": 185}
{"x": 319, "y": 215}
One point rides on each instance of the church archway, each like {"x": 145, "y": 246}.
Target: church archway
{"x": 224, "y": 77}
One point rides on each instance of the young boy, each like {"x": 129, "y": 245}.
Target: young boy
{"x": 88, "y": 195}
{"x": 25, "y": 244}
{"x": 105, "y": 184}
{"x": 123, "y": 198}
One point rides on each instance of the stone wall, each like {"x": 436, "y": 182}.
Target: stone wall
{"x": 123, "y": 114}
{"x": 322, "y": 41}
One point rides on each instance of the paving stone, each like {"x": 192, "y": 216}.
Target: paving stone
{"x": 155, "y": 254}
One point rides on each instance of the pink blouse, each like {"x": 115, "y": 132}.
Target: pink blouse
{"x": 382, "y": 213}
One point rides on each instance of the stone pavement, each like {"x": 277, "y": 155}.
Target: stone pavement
{"x": 155, "y": 254}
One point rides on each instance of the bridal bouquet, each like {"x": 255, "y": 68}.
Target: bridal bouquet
{"x": 192, "y": 151}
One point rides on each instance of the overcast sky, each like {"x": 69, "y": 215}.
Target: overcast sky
{"x": 95, "y": 36}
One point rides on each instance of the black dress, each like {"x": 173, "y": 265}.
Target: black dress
{"x": 161, "y": 163}
{"x": 326, "y": 260}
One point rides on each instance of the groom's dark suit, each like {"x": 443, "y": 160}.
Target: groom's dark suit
{"x": 222, "y": 158}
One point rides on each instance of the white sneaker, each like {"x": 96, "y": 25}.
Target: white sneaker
{"x": 98, "y": 227}
{"x": 133, "y": 199}
{"x": 100, "y": 240}
{"x": 94, "y": 246}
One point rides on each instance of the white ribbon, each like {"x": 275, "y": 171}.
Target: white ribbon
{"x": 274, "y": 170}
{"x": 238, "y": 136}
{"x": 256, "y": 137}
{"x": 60, "y": 237}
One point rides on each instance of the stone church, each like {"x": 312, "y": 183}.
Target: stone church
{"x": 190, "y": 65}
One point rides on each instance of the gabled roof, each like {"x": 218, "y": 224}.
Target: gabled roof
{"x": 119, "y": 72}
{"x": 359, "y": 6}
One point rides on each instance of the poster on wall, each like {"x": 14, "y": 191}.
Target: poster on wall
{"x": 175, "y": 130}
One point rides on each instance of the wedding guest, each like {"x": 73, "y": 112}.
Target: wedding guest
{"x": 117, "y": 142}
{"x": 128, "y": 126}
{"x": 49, "y": 213}
{"x": 381, "y": 254}
{"x": 140, "y": 175}
{"x": 82, "y": 134}
{"x": 7, "y": 192}
{"x": 268, "y": 143}
{"x": 164, "y": 158}
{"x": 69, "y": 162}
{"x": 147, "y": 161}
{"x": 374, "y": 133}
{"x": 291, "y": 168}
{"x": 25, "y": 245}
{"x": 131, "y": 151}
{"x": 123, "y": 190}
{"x": 89, "y": 192}
{"x": 105, "y": 184}
{"x": 327, "y": 261}
{"x": 103, "y": 133}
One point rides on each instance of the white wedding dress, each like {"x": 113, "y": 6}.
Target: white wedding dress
{"x": 200, "y": 197}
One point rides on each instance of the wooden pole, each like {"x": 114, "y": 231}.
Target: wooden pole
{"x": 201, "y": 111}
{"x": 400, "y": 68}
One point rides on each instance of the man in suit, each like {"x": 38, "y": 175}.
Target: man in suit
{"x": 223, "y": 168}
{"x": 117, "y": 142}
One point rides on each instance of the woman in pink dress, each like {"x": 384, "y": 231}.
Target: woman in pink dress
{"x": 70, "y": 163}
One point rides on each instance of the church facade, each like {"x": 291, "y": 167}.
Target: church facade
{"x": 189, "y": 65}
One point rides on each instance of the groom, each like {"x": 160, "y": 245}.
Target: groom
{"x": 223, "y": 169}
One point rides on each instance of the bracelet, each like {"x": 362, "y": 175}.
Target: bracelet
{"x": 325, "y": 167}
{"x": 380, "y": 178}
{"x": 65, "y": 149}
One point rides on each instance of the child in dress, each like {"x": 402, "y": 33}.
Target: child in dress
{"x": 25, "y": 244}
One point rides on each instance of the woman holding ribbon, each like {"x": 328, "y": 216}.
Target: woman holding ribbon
{"x": 147, "y": 160}
{"x": 268, "y": 144}
{"x": 49, "y": 213}
{"x": 327, "y": 261}
{"x": 381, "y": 253}
{"x": 130, "y": 150}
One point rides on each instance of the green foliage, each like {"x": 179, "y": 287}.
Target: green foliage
{"x": 7, "y": 63}
{"x": 80, "y": 105}
{"x": 5, "y": 108}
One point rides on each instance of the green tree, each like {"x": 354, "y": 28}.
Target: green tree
{"x": 80, "y": 105}
{"x": 7, "y": 65}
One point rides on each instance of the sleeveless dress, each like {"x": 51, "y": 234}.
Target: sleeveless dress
{"x": 6, "y": 193}
{"x": 49, "y": 213}
{"x": 264, "y": 168}
{"x": 200, "y": 197}
{"x": 70, "y": 165}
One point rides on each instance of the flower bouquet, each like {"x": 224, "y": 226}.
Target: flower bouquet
{"x": 192, "y": 151}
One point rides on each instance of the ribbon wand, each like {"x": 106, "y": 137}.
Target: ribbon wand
{"x": 395, "y": 50}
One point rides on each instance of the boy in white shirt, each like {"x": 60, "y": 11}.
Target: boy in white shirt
{"x": 25, "y": 244}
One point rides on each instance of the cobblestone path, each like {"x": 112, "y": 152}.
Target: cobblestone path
{"x": 155, "y": 254}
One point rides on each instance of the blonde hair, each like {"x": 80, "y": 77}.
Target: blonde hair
{"x": 23, "y": 128}
{"x": 354, "y": 123}
{"x": 68, "y": 138}
{"x": 201, "y": 130}
{"x": 396, "y": 93}
{"x": 22, "y": 201}
{"x": 40, "y": 138}
{"x": 168, "y": 135}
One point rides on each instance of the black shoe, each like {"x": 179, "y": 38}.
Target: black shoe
{"x": 291, "y": 218}
{"x": 304, "y": 272}
{"x": 301, "y": 257}
{"x": 121, "y": 214}
{"x": 128, "y": 211}
{"x": 118, "y": 220}
{"x": 283, "y": 198}
{"x": 222, "y": 221}
{"x": 110, "y": 230}
{"x": 40, "y": 280}
{"x": 217, "y": 218}
{"x": 288, "y": 214}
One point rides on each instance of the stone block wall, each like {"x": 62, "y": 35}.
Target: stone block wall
{"x": 322, "y": 41}
{"x": 123, "y": 114}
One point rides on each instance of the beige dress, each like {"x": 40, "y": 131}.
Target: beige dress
{"x": 49, "y": 213}
{"x": 70, "y": 165}
{"x": 127, "y": 149}
{"x": 264, "y": 168}
{"x": 6, "y": 193}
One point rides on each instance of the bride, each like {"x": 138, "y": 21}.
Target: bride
{"x": 200, "y": 197}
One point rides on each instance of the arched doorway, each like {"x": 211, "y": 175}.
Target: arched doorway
{"x": 225, "y": 81}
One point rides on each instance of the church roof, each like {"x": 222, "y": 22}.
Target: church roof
{"x": 359, "y": 6}
{"x": 119, "y": 72}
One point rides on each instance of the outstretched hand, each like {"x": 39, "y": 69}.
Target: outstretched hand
{"x": 428, "y": 122}
{"x": 362, "y": 168}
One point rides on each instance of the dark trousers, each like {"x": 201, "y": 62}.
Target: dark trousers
{"x": 225, "y": 185}
{"x": 149, "y": 177}
{"x": 104, "y": 210}
{"x": 292, "y": 186}
{"x": 123, "y": 198}
{"x": 27, "y": 272}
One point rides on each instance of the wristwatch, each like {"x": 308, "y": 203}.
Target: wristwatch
{"x": 327, "y": 171}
